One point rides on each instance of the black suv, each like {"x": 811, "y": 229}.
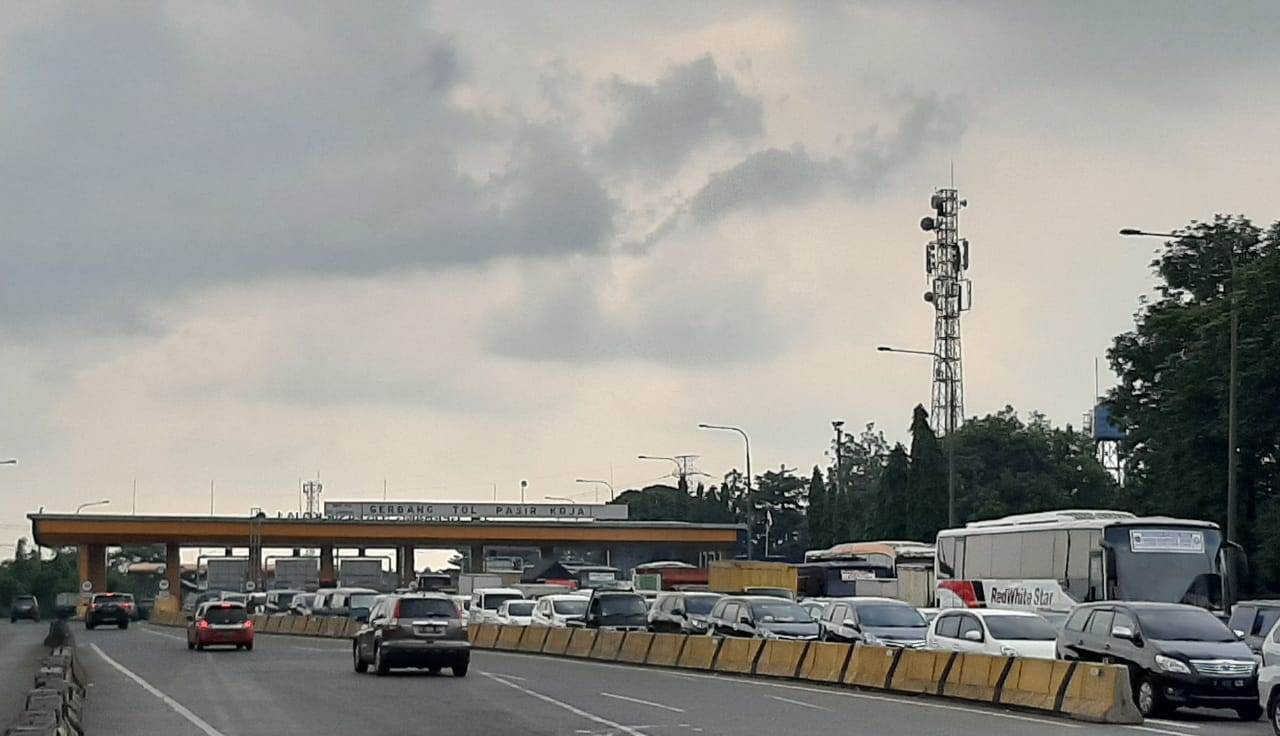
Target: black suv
{"x": 615, "y": 609}
{"x": 682, "y": 612}
{"x": 1253, "y": 620}
{"x": 413, "y": 630}
{"x": 109, "y": 608}
{"x": 1177, "y": 655}
{"x": 759, "y": 616}
{"x": 24, "y": 606}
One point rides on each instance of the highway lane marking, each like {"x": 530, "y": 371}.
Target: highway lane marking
{"x": 1175, "y": 724}
{"x": 800, "y": 703}
{"x": 1157, "y": 730}
{"x": 671, "y": 708}
{"x": 177, "y": 707}
{"x": 146, "y": 630}
{"x": 914, "y": 702}
{"x": 561, "y": 704}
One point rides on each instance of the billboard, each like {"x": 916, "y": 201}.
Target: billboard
{"x": 461, "y": 511}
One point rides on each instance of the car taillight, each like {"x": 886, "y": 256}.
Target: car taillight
{"x": 396, "y": 613}
{"x": 202, "y": 624}
{"x": 248, "y": 624}
{"x": 126, "y": 606}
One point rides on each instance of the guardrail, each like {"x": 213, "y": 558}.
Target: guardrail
{"x": 54, "y": 705}
{"x": 1098, "y": 693}
{"x": 326, "y": 627}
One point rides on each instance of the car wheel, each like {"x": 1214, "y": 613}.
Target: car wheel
{"x": 1273, "y": 711}
{"x": 380, "y": 667}
{"x": 199, "y": 647}
{"x": 124, "y": 624}
{"x": 361, "y": 666}
{"x": 460, "y": 669}
{"x": 191, "y": 644}
{"x": 1147, "y": 697}
{"x": 1252, "y": 712}
{"x": 89, "y": 625}
{"x": 248, "y": 647}
{"x": 434, "y": 670}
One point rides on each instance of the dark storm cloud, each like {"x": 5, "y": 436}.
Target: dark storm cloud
{"x": 144, "y": 157}
{"x": 662, "y": 123}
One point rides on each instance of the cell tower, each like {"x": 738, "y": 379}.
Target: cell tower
{"x": 311, "y": 490}
{"x": 946, "y": 260}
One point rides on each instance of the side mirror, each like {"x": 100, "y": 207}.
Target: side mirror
{"x": 191, "y": 617}
{"x": 745, "y": 620}
{"x": 972, "y": 635}
{"x": 677, "y": 612}
{"x": 851, "y": 624}
{"x": 1239, "y": 634}
{"x": 1122, "y": 632}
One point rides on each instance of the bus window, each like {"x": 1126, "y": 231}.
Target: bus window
{"x": 1006, "y": 556}
{"x": 1078, "y": 564}
{"x": 946, "y": 557}
{"x": 977, "y": 557}
{"x": 1037, "y": 556}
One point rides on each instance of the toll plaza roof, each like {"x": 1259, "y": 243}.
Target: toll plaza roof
{"x": 55, "y": 530}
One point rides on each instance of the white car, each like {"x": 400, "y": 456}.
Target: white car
{"x": 993, "y": 631}
{"x": 486, "y": 601}
{"x": 1269, "y": 677}
{"x": 555, "y": 611}
{"x": 515, "y": 613}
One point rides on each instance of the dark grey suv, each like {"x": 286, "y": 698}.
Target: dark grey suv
{"x": 423, "y": 630}
{"x": 24, "y": 606}
{"x": 682, "y": 612}
{"x": 1177, "y": 655}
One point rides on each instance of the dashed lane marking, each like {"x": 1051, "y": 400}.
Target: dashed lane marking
{"x": 561, "y": 704}
{"x": 800, "y": 703}
{"x": 177, "y": 707}
{"x": 649, "y": 703}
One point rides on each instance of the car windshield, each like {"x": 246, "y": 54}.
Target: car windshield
{"x": 236, "y": 597}
{"x": 111, "y": 598}
{"x": 520, "y": 608}
{"x": 284, "y": 599}
{"x": 904, "y": 617}
{"x": 228, "y": 615}
{"x": 362, "y": 600}
{"x": 425, "y": 608}
{"x": 699, "y": 605}
{"x": 24, "y": 599}
{"x": 1030, "y": 628}
{"x": 1265, "y": 620}
{"x": 781, "y": 612}
{"x": 570, "y": 607}
{"x": 494, "y": 601}
{"x": 1183, "y": 625}
{"x": 622, "y": 605}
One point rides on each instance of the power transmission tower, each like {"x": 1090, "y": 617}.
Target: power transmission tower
{"x": 951, "y": 293}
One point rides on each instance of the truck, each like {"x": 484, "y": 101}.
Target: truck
{"x": 226, "y": 573}
{"x": 736, "y": 576}
{"x": 296, "y": 573}
{"x": 360, "y": 572}
{"x": 469, "y": 581}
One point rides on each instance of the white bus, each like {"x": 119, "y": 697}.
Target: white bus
{"x": 1053, "y": 560}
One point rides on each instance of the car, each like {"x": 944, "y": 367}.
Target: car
{"x": 815, "y": 606}
{"x": 463, "y": 602}
{"x": 359, "y": 604}
{"x": 770, "y": 592}
{"x": 619, "y": 610}
{"x": 873, "y": 620}
{"x": 761, "y": 616}
{"x": 300, "y": 604}
{"x": 1253, "y": 620}
{"x": 24, "y": 606}
{"x": 1177, "y": 655}
{"x": 278, "y": 601}
{"x": 516, "y": 613}
{"x": 113, "y": 608}
{"x": 1269, "y": 677}
{"x": 220, "y": 623}
{"x": 485, "y": 603}
{"x": 555, "y": 611}
{"x": 320, "y": 602}
{"x": 412, "y": 630}
{"x": 993, "y": 631}
{"x": 682, "y": 612}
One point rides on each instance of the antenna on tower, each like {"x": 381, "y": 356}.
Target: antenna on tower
{"x": 311, "y": 490}
{"x": 946, "y": 262}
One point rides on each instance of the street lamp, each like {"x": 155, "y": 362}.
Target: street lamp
{"x": 103, "y": 502}
{"x": 560, "y": 498}
{"x": 10, "y": 461}
{"x": 599, "y": 482}
{"x": 751, "y": 501}
{"x": 949, "y": 424}
{"x": 661, "y": 457}
{"x": 1233, "y": 371}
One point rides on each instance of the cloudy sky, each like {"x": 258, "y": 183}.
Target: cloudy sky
{"x": 455, "y": 245}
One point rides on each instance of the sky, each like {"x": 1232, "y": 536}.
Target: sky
{"x": 450, "y": 246}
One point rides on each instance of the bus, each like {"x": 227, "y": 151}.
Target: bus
{"x": 1052, "y": 560}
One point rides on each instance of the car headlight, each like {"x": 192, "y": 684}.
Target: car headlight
{"x": 1008, "y": 651}
{"x": 766, "y": 634}
{"x": 1169, "y": 664}
{"x": 872, "y": 639}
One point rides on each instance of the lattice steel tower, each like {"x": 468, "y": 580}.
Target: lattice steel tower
{"x": 946, "y": 259}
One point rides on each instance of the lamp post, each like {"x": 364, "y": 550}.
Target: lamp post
{"x": 86, "y": 505}
{"x": 751, "y": 501}
{"x": 1232, "y": 371}
{"x": 565, "y": 499}
{"x": 10, "y": 461}
{"x": 598, "y": 482}
{"x": 949, "y": 424}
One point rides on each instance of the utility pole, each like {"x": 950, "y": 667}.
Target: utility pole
{"x": 838, "y": 426}
{"x": 751, "y": 501}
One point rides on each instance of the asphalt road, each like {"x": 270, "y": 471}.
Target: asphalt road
{"x": 21, "y": 647}
{"x": 145, "y": 681}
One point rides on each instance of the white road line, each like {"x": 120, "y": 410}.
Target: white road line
{"x": 650, "y": 703}
{"x": 152, "y": 632}
{"x": 907, "y": 701}
{"x": 317, "y": 649}
{"x": 561, "y": 704}
{"x": 1175, "y": 724}
{"x": 800, "y": 703}
{"x": 177, "y": 707}
{"x": 1149, "y": 729}
{"x": 517, "y": 678}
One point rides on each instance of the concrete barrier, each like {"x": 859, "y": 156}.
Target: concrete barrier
{"x": 665, "y": 650}
{"x": 353, "y": 628}
{"x": 635, "y": 647}
{"x": 557, "y": 641}
{"x": 699, "y": 652}
{"x": 259, "y": 620}
{"x": 976, "y": 677}
{"x": 921, "y": 671}
{"x": 296, "y": 626}
{"x": 737, "y": 656}
{"x": 1100, "y": 693}
{"x": 532, "y": 639}
{"x": 607, "y": 645}
{"x": 335, "y": 627}
{"x": 780, "y": 658}
{"x": 483, "y": 636}
{"x": 825, "y": 661}
{"x": 55, "y": 704}
{"x": 1034, "y": 683}
{"x": 508, "y": 638}
{"x": 315, "y": 624}
{"x": 872, "y": 667}
{"x": 272, "y": 626}
{"x": 581, "y": 642}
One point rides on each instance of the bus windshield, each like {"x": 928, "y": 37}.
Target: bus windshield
{"x": 1166, "y": 564}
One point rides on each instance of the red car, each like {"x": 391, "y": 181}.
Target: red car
{"x": 220, "y": 623}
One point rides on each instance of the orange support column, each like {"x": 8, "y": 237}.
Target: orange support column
{"x": 404, "y": 558}
{"x": 327, "y": 576}
{"x": 173, "y": 577}
{"x": 93, "y": 568}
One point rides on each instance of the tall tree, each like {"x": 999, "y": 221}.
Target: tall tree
{"x": 816, "y": 515}
{"x": 893, "y": 507}
{"x": 927, "y": 483}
